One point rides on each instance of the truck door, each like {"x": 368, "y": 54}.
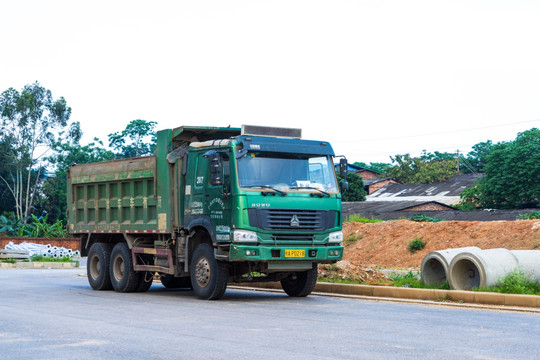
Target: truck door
{"x": 208, "y": 200}
{"x": 218, "y": 203}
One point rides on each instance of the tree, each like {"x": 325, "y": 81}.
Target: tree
{"x": 512, "y": 171}
{"x": 7, "y": 202}
{"x": 356, "y": 191}
{"x": 477, "y": 158}
{"x": 137, "y": 139}
{"x": 422, "y": 170}
{"x": 31, "y": 121}
{"x": 374, "y": 166}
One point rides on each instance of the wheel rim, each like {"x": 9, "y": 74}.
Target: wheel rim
{"x": 202, "y": 272}
{"x": 95, "y": 267}
{"x": 118, "y": 268}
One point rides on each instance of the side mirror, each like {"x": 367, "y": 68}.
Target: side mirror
{"x": 343, "y": 186}
{"x": 343, "y": 168}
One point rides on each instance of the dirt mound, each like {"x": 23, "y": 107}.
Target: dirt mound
{"x": 385, "y": 244}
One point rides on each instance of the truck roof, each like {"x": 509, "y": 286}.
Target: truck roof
{"x": 203, "y": 133}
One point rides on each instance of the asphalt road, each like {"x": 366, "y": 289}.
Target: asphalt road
{"x": 54, "y": 314}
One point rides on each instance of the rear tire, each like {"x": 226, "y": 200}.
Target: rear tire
{"x": 300, "y": 284}
{"x": 123, "y": 277}
{"x": 209, "y": 277}
{"x": 97, "y": 268}
{"x": 171, "y": 282}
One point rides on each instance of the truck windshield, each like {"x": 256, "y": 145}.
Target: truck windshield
{"x": 287, "y": 172}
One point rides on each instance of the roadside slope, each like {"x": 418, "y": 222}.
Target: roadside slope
{"x": 385, "y": 244}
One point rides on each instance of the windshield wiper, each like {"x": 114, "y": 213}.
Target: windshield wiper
{"x": 267, "y": 187}
{"x": 311, "y": 188}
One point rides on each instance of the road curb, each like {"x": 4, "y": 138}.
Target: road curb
{"x": 433, "y": 295}
{"x": 40, "y": 265}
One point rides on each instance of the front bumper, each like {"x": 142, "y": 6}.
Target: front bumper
{"x": 319, "y": 254}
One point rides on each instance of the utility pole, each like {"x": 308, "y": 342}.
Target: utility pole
{"x": 457, "y": 154}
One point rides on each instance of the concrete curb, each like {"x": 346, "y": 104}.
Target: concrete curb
{"x": 432, "y": 295}
{"x": 39, "y": 265}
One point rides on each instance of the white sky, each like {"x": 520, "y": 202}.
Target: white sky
{"x": 375, "y": 78}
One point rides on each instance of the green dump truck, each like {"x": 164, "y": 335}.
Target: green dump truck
{"x": 211, "y": 207}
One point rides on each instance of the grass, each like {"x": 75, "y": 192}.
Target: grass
{"x": 41, "y": 258}
{"x": 351, "y": 239}
{"x": 362, "y": 219}
{"x": 516, "y": 282}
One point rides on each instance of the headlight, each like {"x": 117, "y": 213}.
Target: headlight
{"x": 335, "y": 237}
{"x": 244, "y": 236}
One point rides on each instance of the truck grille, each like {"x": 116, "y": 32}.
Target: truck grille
{"x": 292, "y": 237}
{"x": 297, "y": 220}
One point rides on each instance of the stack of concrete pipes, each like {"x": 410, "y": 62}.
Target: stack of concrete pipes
{"x": 471, "y": 267}
{"x": 45, "y": 250}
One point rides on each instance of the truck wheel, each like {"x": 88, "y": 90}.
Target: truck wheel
{"x": 123, "y": 277}
{"x": 300, "y": 284}
{"x": 145, "y": 281}
{"x": 97, "y": 267}
{"x": 209, "y": 277}
{"x": 171, "y": 282}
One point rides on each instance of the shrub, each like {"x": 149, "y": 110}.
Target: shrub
{"x": 530, "y": 216}
{"x": 416, "y": 244}
{"x": 424, "y": 218}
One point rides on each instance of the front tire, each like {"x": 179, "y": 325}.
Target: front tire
{"x": 300, "y": 284}
{"x": 97, "y": 268}
{"x": 123, "y": 277}
{"x": 209, "y": 277}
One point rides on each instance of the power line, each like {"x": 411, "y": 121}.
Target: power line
{"x": 444, "y": 132}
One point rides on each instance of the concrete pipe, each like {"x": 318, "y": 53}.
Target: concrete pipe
{"x": 435, "y": 265}
{"x": 529, "y": 262}
{"x": 483, "y": 269}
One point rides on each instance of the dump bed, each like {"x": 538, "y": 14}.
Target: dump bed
{"x": 115, "y": 196}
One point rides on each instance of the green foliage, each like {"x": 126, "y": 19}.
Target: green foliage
{"x": 416, "y": 244}
{"x": 512, "y": 171}
{"x": 530, "y": 216}
{"x": 516, "y": 282}
{"x": 42, "y": 258}
{"x": 478, "y": 157}
{"x": 361, "y": 219}
{"x": 374, "y": 166}
{"x": 470, "y": 199}
{"x": 137, "y": 139}
{"x": 33, "y": 227}
{"x": 427, "y": 169}
{"x": 424, "y": 218}
{"x": 413, "y": 280}
{"x": 356, "y": 191}
{"x": 406, "y": 280}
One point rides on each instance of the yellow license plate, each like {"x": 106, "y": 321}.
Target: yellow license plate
{"x": 295, "y": 253}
